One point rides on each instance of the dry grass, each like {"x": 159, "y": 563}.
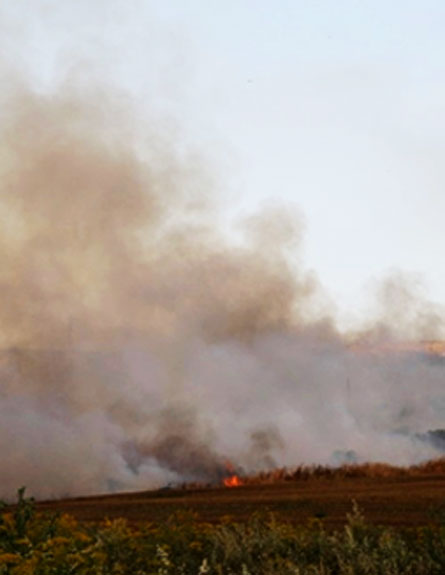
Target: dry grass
{"x": 363, "y": 470}
{"x": 388, "y": 496}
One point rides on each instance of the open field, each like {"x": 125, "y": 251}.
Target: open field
{"x": 405, "y": 502}
{"x": 397, "y": 527}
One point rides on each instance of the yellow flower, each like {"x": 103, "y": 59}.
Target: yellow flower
{"x": 67, "y": 522}
{"x": 6, "y": 558}
{"x": 58, "y": 540}
{"x": 82, "y": 537}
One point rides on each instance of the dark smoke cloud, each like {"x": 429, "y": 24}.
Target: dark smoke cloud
{"x": 140, "y": 346}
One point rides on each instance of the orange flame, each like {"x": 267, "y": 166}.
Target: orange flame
{"x": 232, "y": 481}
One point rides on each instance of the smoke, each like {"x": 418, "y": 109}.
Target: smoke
{"x": 141, "y": 346}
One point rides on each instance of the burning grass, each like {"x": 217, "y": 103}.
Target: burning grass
{"x": 354, "y": 470}
{"x": 391, "y": 496}
{"x": 236, "y": 478}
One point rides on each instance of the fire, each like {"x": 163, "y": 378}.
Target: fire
{"x": 232, "y": 481}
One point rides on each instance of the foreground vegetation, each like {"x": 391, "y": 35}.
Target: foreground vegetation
{"x": 44, "y": 544}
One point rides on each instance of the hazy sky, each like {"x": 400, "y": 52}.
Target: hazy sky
{"x": 137, "y": 345}
{"x": 334, "y": 106}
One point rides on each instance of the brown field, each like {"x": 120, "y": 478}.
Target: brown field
{"x": 402, "y": 499}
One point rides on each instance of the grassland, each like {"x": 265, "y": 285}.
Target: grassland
{"x": 400, "y": 497}
{"x": 355, "y": 520}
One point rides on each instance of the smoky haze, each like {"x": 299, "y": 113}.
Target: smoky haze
{"x": 140, "y": 346}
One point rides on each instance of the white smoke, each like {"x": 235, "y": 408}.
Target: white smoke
{"x": 141, "y": 347}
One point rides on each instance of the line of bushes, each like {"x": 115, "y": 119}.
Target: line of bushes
{"x": 42, "y": 544}
{"x": 349, "y": 471}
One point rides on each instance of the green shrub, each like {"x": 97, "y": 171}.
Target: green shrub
{"x": 40, "y": 544}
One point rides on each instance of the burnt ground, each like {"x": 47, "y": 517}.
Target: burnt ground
{"x": 399, "y": 502}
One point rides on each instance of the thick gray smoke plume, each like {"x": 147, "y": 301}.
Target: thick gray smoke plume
{"x": 140, "y": 347}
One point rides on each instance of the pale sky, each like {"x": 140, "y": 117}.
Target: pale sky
{"x": 335, "y": 106}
